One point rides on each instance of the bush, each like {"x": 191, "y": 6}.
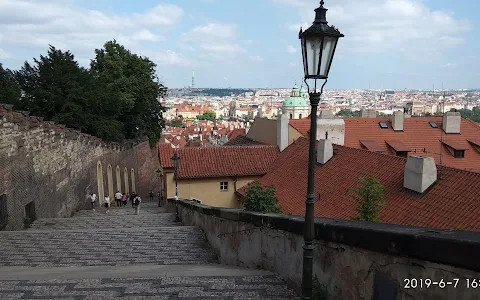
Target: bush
{"x": 261, "y": 199}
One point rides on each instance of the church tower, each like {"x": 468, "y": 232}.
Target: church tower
{"x": 296, "y": 106}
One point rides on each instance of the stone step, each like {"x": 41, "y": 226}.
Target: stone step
{"x": 101, "y": 247}
{"x": 193, "y": 288}
{"x": 106, "y": 221}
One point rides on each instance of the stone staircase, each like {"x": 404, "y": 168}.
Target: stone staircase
{"x": 94, "y": 255}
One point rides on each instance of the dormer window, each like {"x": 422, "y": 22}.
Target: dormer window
{"x": 383, "y": 125}
{"x": 459, "y": 153}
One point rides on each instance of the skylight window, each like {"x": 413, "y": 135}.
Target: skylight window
{"x": 433, "y": 124}
{"x": 383, "y": 125}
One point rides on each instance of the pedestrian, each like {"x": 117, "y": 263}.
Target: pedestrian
{"x": 151, "y": 195}
{"x": 124, "y": 199}
{"x": 159, "y": 197}
{"x": 118, "y": 198}
{"x": 107, "y": 203}
{"x": 137, "y": 201}
{"x": 93, "y": 198}
{"x": 132, "y": 196}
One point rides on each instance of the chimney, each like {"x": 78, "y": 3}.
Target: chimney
{"x": 397, "y": 120}
{"x": 369, "y": 113}
{"x": 451, "y": 122}
{"x": 420, "y": 173}
{"x": 282, "y": 132}
{"x": 324, "y": 151}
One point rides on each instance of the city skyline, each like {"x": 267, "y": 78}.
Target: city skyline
{"x": 394, "y": 44}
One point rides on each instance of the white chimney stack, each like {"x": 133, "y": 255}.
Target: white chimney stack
{"x": 324, "y": 151}
{"x": 420, "y": 173}
{"x": 231, "y": 127}
{"x": 451, "y": 122}
{"x": 397, "y": 120}
{"x": 282, "y": 132}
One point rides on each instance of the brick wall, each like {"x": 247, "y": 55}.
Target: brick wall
{"x": 56, "y": 167}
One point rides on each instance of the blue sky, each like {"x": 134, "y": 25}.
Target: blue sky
{"x": 393, "y": 44}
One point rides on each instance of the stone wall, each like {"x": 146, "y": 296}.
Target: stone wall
{"x": 56, "y": 168}
{"x": 353, "y": 259}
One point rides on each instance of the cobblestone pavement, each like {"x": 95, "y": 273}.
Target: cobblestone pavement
{"x": 93, "y": 238}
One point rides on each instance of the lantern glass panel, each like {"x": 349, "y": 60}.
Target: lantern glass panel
{"x": 313, "y": 51}
{"x": 327, "y": 54}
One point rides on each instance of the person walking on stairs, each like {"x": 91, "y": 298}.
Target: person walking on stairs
{"x": 132, "y": 196}
{"x": 93, "y": 198}
{"x": 151, "y": 195}
{"x": 107, "y": 203}
{"x": 124, "y": 199}
{"x": 136, "y": 202}
{"x": 118, "y": 198}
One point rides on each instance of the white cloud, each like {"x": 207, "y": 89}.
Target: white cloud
{"x": 4, "y": 54}
{"x": 147, "y": 35}
{"x": 409, "y": 26}
{"x": 215, "y": 40}
{"x": 257, "y": 59}
{"x": 291, "y": 49}
{"x": 34, "y": 24}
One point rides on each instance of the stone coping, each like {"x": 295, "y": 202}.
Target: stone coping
{"x": 451, "y": 247}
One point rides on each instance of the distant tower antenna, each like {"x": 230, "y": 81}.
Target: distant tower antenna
{"x": 443, "y": 120}
{"x": 193, "y": 79}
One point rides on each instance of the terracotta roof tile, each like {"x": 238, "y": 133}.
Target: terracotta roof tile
{"x": 371, "y": 145}
{"x": 455, "y": 144}
{"x": 225, "y": 161}
{"x": 452, "y": 203}
{"x": 398, "y": 146}
{"x": 236, "y": 132}
{"x": 417, "y": 135}
{"x": 165, "y": 152}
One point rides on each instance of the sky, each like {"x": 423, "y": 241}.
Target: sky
{"x": 389, "y": 44}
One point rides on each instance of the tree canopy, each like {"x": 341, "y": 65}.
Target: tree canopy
{"x": 261, "y": 198}
{"x": 116, "y": 98}
{"x": 208, "y": 115}
{"x": 369, "y": 197}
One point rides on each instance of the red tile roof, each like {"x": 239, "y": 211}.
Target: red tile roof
{"x": 417, "y": 135}
{"x": 225, "y": 161}
{"x": 453, "y": 202}
{"x": 236, "y": 132}
{"x": 165, "y": 152}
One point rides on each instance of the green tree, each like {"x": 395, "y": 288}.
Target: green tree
{"x": 349, "y": 113}
{"x": 176, "y": 123}
{"x": 55, "y": 87}
{"x": 473, "y": 114}
{"x": 208, "y": 115}
{"x": 129, "y": 89}
{"x": 369, "y": 197}
{"x": 9, "y": 89}
{"x": 261, "y": 199}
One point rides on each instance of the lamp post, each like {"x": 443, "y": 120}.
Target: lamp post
{"x": 175, "y": 159}
{"x": 319, "y": 43}
{"x": 160, "y": 175}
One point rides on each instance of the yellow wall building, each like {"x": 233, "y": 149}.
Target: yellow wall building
{"x": 214, "y": 174}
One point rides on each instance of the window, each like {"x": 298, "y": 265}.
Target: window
{"x": 402, "y": 153}
{"x": 224, "y": 186}
{"x": 383, "y": 125}
{"x": 291, "y": 116}
{"x": 459, "y": 153}
{"x": 433, "y": 124}
{"x": 300, "y": 116}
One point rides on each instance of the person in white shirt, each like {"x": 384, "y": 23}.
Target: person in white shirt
{"x": 107, "y": 204}
{"x": 118, "y": 198}
{"x": 93, "y": 198}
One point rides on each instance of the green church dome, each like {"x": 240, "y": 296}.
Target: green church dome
{"x": 298, "y": 97}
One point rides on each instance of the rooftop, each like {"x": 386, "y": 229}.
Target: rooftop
{"x": 451, "y": 203}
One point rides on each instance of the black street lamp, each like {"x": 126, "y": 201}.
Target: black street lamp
{"x": 318, "y": 47}
{"x": 175, "y": 159}
{"x": 160, "y": 175}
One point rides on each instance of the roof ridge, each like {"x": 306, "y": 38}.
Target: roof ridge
{"x": 395, "y": 157}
